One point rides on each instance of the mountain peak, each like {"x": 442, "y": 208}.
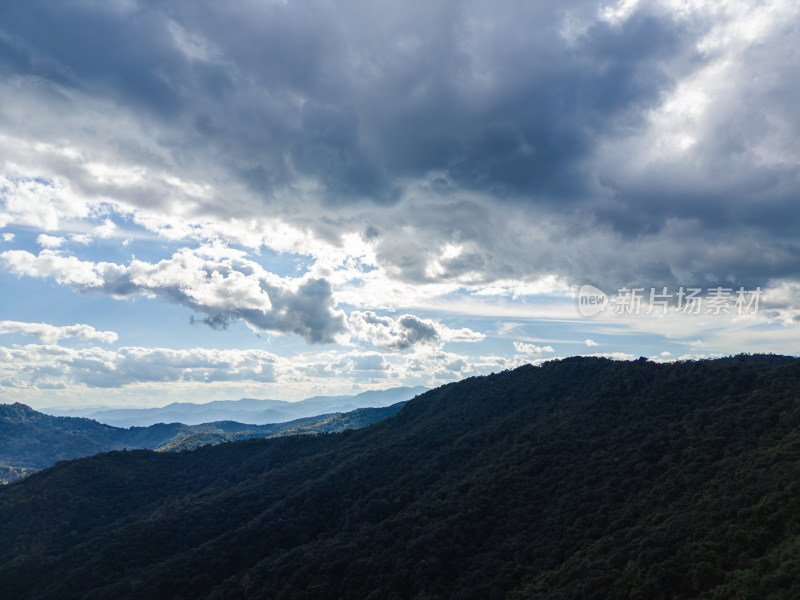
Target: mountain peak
{"x": 17, "y": 410}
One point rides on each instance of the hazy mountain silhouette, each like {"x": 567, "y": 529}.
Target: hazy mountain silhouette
{"x": 247, "y": 410}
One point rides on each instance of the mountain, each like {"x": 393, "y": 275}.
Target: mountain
{"x": 582, "y": 478}
{"x": 30, "y": 440}
{"x": 247, "y": 410}
{"x": 73, "y": 411}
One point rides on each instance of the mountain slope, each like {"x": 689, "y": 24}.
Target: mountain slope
{"x": 30, "y": 440}
{"x": 583, "y": 478}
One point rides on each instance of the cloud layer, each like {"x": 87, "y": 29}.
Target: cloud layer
{"x": 387, "y": 179}
{"x": 51, "y": 334}
{"x": 219, "y": 283}
{"x": 661, "y": 128}
{"x": 54, "y": 367}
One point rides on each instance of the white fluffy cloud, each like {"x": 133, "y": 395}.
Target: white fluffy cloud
{"x": 532, "y": 349}
{"x": 215, "y": 281}
{"x": 32, "y": 201}
{"x": 50, "y": 334}
{"x": 49, "y": 241}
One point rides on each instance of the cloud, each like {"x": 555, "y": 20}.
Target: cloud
{"x": 106, "y": 230}
{"x": 613, "y": 355}
{"x": 532, "y": 349}
{"x": 405, "y": 332}
{"x": 430, "y": 159}
{"x": 165, "y": 372}
{"x": 217, "y": 282}
{"x": 591, "y": 343}
{"x": 49, "y": 241}
{"x": 44, "y": 366}
{"x": 369, "y": 362}
{"x": 66, "y": 270}
{"x": 31, "y": 201}
{"x": 81, "y": 238}
{"x": 626, "y": 142}
{"x": 50, "y": 334}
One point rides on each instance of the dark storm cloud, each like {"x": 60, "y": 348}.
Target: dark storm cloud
{"x": 306, "y": 311}
{"x": 328, "y": 148}
{"x": 528, "y": 129}
{"x": 524, "y": 133}
{"x": 357, "y": 95}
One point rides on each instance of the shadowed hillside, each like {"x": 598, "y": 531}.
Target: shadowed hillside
{"x": 584, "y": 478}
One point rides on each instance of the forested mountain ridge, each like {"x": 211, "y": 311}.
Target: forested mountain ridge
{"x": 583, "y": 478}
{"x": 31, "y": 440}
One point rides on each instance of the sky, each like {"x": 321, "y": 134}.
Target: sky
{"x": 207, "y": 201}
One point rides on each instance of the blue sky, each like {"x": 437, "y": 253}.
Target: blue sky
{"x": 201, "y": 201}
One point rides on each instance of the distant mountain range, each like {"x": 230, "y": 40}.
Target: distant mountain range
{"x": 583, "y": 478}
{"x": 246, "y": 410}
{"x": 31, "y": 440}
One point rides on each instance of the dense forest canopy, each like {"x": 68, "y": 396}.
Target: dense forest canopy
{"x": 583, "y": 478}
